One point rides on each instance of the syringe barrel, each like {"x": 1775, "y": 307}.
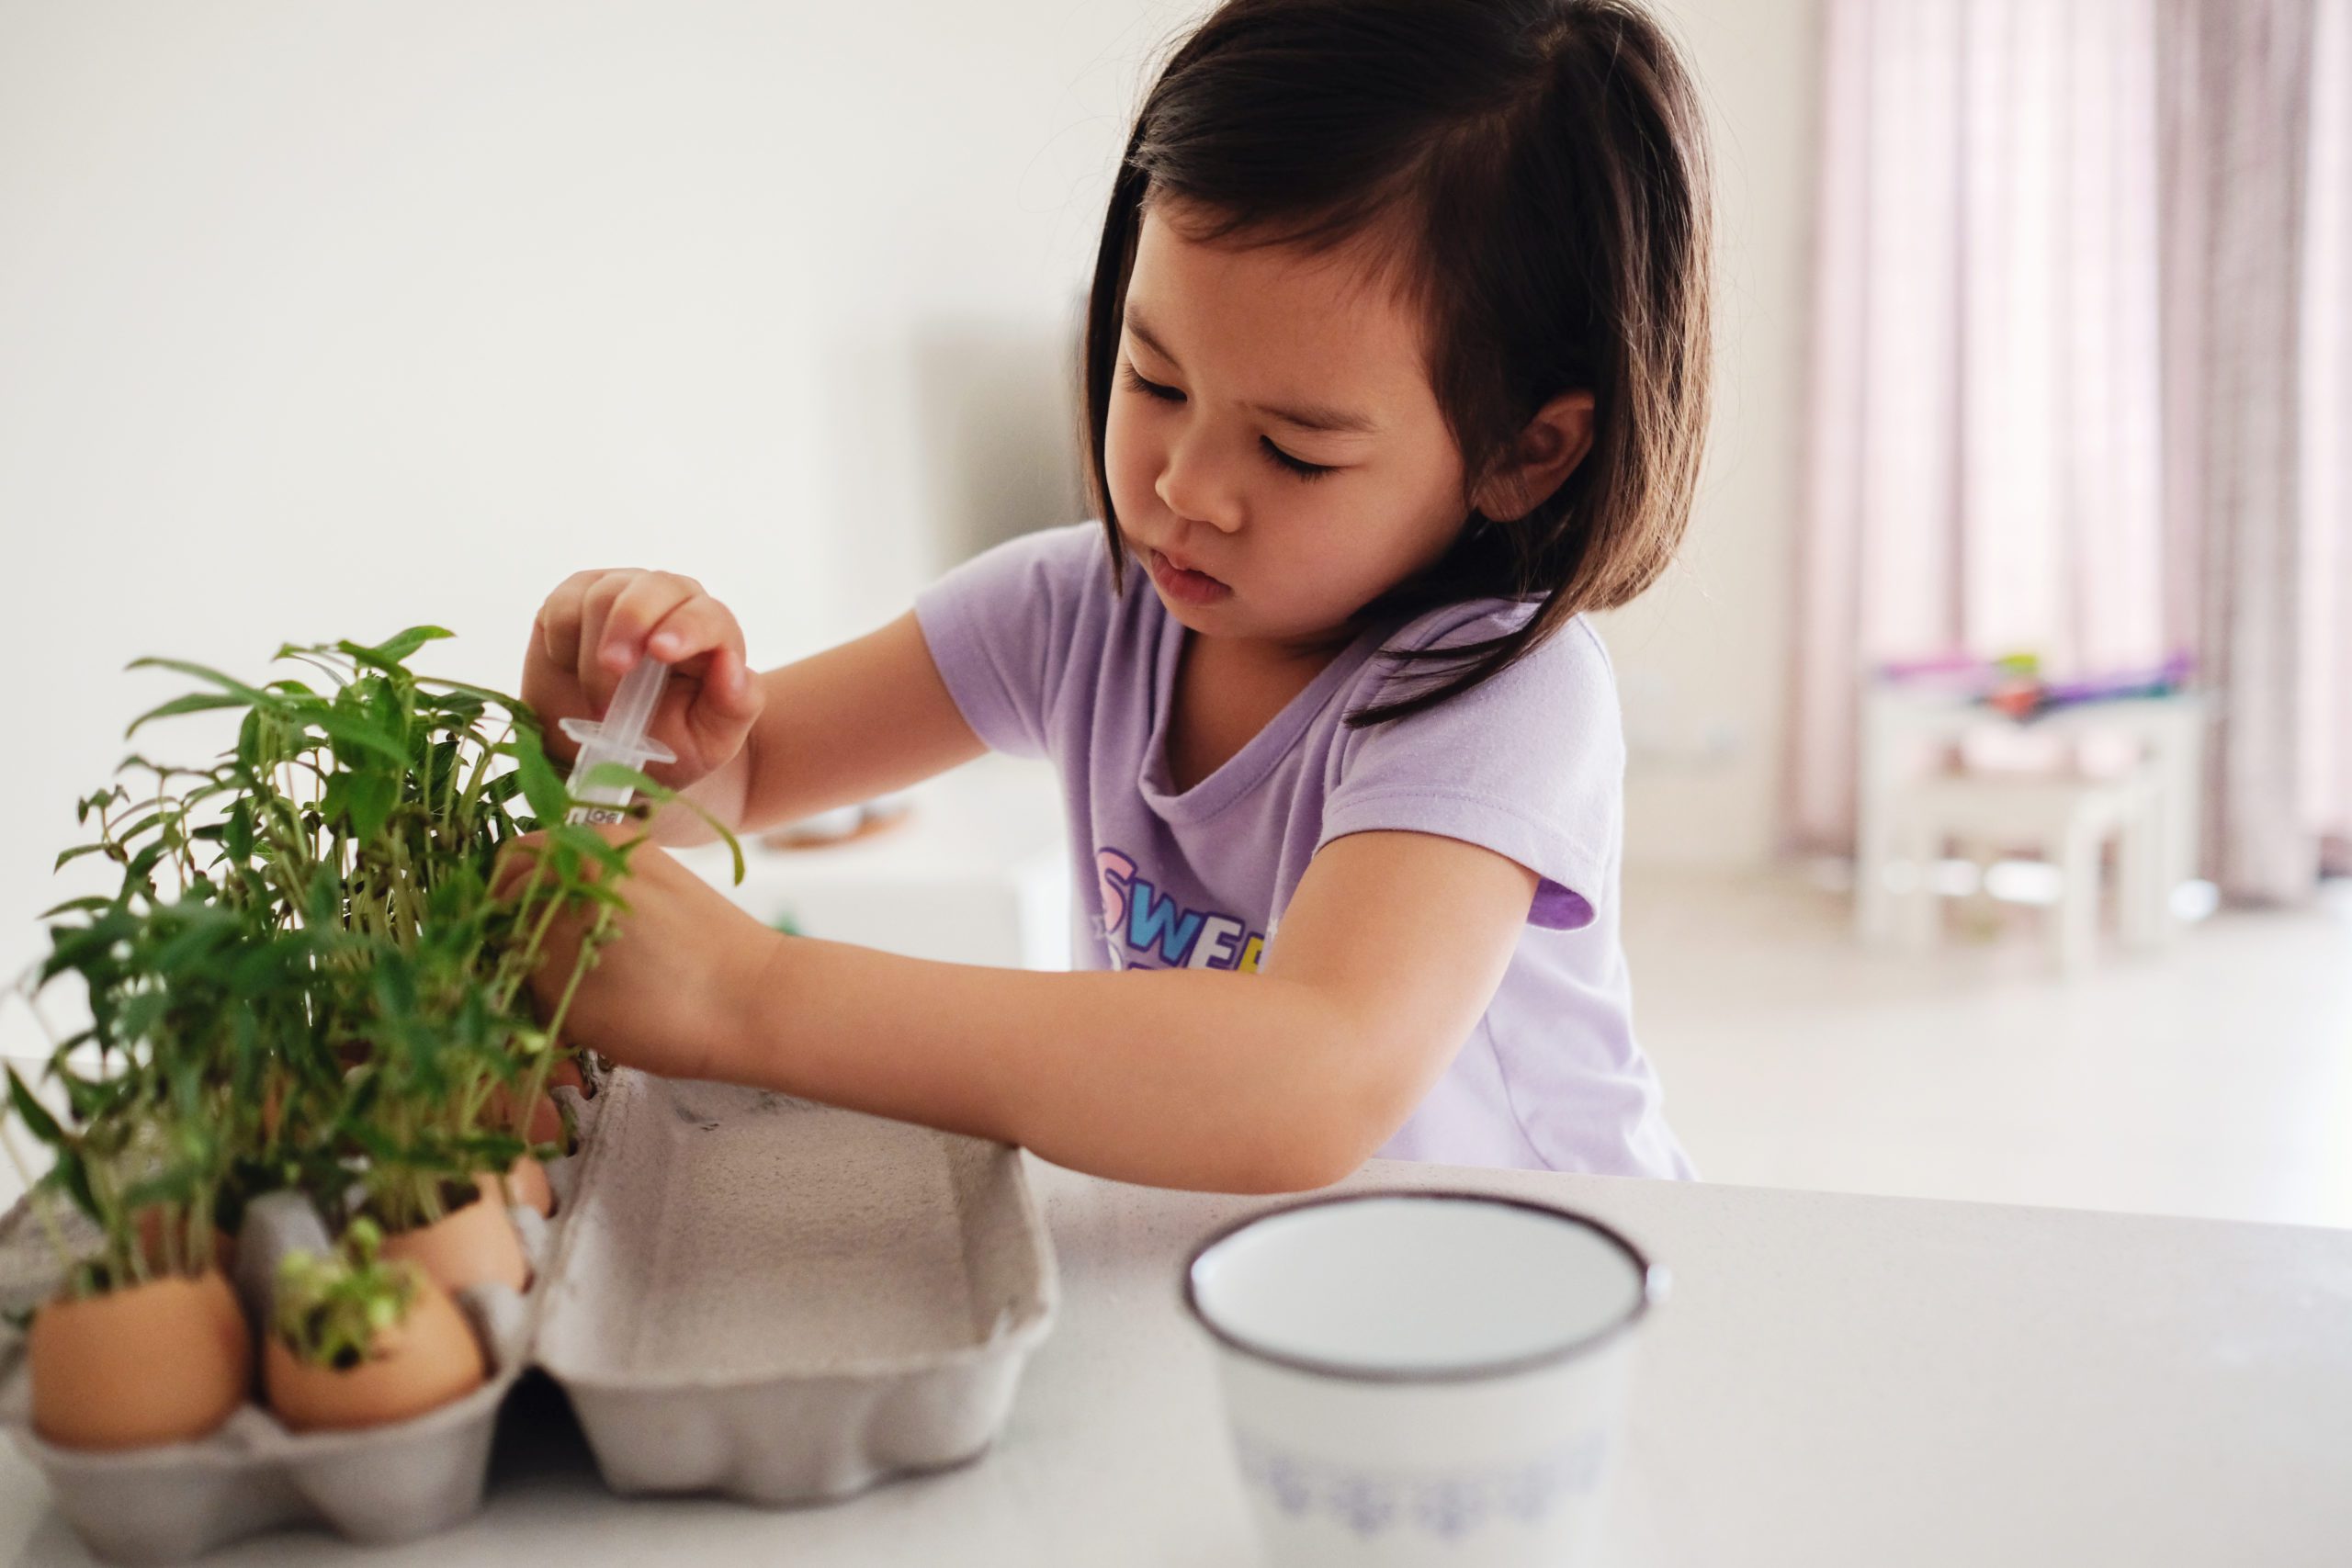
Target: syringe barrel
{"x": 620, "y": 737}
{"x": 597, "y": 802}
{"x": 631, "y": 712}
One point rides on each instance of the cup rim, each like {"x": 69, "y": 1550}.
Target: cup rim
{"x": 1653, "y": 1277}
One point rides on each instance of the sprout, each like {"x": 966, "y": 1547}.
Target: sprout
{"x": 310, "y": 974}
{"x": 331, "y": 1310}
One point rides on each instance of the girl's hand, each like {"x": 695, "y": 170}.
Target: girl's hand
{"x": 668, "y": 988}
{"x": 598, "y": 623}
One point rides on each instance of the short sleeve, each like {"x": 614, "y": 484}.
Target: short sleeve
{"x": 1001, "y": 628}
{"x": 1530, "y": 764}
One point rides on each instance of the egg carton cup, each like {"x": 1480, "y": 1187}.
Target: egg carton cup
{"x": 784, "y": 1303}
{"x": 385, "y": 1484}
{"x": 741, "y": 1293}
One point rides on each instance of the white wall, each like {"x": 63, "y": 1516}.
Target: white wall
{"x": 1704, "y": 659}
{"x": 319, "y": 320}
{"x": 315, "y": 322}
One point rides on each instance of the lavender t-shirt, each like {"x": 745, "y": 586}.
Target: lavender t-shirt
{"x": 1045, "y": 660}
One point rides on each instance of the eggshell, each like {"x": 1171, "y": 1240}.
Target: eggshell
{"x": 474, "y": 1245}
{"x": 162, "y": 1362}
{"x": 422, "y": 1363}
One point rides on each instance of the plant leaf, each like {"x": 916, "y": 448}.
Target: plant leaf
{"x": 33, "y": 1113}
{"x": 76, "y": 852}
{"x": 370, "y": 800}
{"x": 388, "y": 654}
{"x": 348, "y": 730}
{"x": 76, "y": 906}
{"x": 212, "y": 677}
{"x": 195, "y": 702}
{"x": 549, "y": 800}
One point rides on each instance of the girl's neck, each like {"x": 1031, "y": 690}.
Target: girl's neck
{"x": 1227, "y": 689}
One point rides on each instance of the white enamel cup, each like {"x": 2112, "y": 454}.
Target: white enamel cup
{"x": 1423, "y": 1377}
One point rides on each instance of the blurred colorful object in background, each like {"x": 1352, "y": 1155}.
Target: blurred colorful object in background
{"x": 2013, "y": 684}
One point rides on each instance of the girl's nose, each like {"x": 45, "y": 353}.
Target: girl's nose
{"x": 1193, "y": 485}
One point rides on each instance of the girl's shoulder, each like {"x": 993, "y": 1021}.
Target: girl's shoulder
{"x": 1045, "y": 588}
{"x": 1072, "y": 556}
{"x": 1568, "y": 674}
{"x": 1007, "y": 628}
{"x": 1529, "y": 764}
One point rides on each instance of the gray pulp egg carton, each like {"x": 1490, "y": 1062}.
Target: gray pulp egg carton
{"x": 174, "y": 1500}
{"x": 741, "y": 1293}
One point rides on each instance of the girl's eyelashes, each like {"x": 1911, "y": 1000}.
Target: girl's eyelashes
{"x": 1298, "y": 466}
{"x": 1151, "y": 388}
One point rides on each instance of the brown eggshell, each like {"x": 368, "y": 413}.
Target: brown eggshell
{"x": 474, "y": 1245}
{"x": 526, "y": 1183}
{"x": 421, "y": 1363}
{"x": 163, "y": 1362}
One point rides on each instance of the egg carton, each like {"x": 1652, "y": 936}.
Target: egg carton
{"x": 741, "y": 1293}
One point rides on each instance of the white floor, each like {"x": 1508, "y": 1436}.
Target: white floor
{"x": 2214, "y": 1080}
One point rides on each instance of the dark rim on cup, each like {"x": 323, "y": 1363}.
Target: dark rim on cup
{"x": 1652, "y": 1276}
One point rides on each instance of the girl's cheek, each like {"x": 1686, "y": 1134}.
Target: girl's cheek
{"x": 1131, "y": 461}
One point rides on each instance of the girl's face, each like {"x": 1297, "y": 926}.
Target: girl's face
{"x": 1274, "y": 451}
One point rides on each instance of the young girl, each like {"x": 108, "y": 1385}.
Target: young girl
{"x": 1396, "y": 365}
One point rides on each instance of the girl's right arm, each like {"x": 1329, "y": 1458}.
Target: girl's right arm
{"x": 754, "y": 749}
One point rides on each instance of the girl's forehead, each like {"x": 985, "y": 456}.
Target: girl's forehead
{"x": 1312, "y": 320}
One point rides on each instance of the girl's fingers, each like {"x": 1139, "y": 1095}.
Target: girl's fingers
{"x": 596, "y": 625}
{"x": 728, "y": 689}
{"x": 639, "y": 607}
{"x": 704, "y": 642}
{"x": 596, "y": 604}
{"x": 721, "y": 708}
{"x": 559, "y": 619}
{"x": 697, "y": 625}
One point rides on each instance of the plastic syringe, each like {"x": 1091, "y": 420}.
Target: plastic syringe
{"x": 620, "y": 736}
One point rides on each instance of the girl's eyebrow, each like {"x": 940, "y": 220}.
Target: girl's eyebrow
{"x": 1305, "y": 416}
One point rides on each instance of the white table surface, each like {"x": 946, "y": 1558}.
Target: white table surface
{"x": 1834, "y": 1380}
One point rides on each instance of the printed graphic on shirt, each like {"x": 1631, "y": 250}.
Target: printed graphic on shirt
{"x": 1144, "y": 928}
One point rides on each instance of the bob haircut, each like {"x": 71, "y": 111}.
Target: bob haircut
{"x": 1540, "y": 168}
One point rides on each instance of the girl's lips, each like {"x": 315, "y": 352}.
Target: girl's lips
{"x": 1182, "y": 584}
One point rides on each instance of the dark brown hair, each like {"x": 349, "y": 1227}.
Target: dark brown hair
{"x": 1544, "y": 165}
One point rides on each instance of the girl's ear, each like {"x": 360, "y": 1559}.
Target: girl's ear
{"x": 1540, "y": 461}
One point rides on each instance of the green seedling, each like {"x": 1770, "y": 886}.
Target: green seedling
{"x": 315, "y": 971}
{"x": 331, "y": 1310}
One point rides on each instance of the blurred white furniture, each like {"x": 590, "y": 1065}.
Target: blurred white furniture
{"x": 1832, "y": 1381}
{"x": 1900, "y": 724}
{"x": 978, "y": 873}
{"x": 2069, "y": 823}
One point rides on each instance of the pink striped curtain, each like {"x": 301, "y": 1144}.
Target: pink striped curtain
{"x": 2052, "y": 408}
{"x": 2324, "y": 616}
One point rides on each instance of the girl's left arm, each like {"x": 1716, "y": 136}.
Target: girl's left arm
{"x": 1288, "y": 1078}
